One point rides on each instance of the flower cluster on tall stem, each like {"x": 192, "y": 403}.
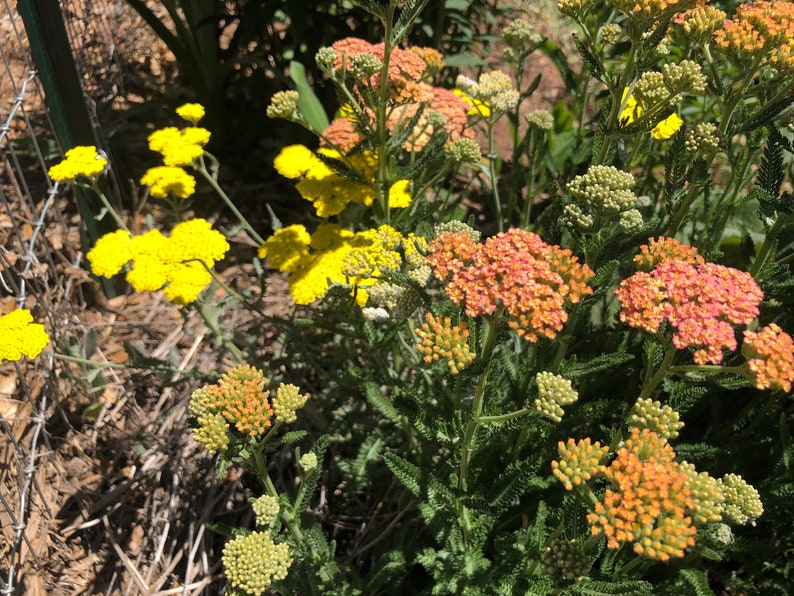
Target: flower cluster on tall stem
{"x": 533, "y": 281}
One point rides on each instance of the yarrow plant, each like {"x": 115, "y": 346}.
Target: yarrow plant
{"x": 563, "y": 395}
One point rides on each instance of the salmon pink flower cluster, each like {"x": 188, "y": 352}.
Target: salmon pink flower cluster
{"x": 533, "y": 281}
{"x": 701, "y": 302}
{"x": 770, "y": 357}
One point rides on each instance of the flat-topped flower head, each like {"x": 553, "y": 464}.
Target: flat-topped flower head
{"x": 253, "y": 562}
{"x": 441, "y": 340}
{"x": 603, "y": 191}
{"x": 770, "y": 357}
{"x": 701, "y": 22}
{"x": 533, "y": 281}
{"x": 283, "y": 104}
{"x": 646, "y": 12}
{"x": 165, "y": 181}
{"x": 80, "y": 161}
{"x": 579, "y": 461}
{"x": 566, "y": 558}
{"x": 701, "y": 303}
{"x": 554, "y": 391}
{"x": 287, "y": 401}
{"x": 648, "y": 500}
{"x": 192, "y": 112}
{"x": 666, "y": 249}
{"x": 742, "y": 501}
{"x": 179, "y": 147}
{"x": 266, "y": 510}
{"x": 707, "y": 496}
{"x": 20, "y": 336}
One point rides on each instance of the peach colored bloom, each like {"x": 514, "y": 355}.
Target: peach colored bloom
{"x": 770, "y": 357}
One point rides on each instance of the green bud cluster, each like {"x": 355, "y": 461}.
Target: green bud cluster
{"x": 611, "y": 33}
{"x": 212, "y": 432}
{"x": 701, "y": 23}
{"x": 663, "y": 420}
{"x": 364, "y": 65}
{"x": 325, "y": 58}
{"x": 542, "y": 119}
{"x": 630, "y": 221}
{"x": 287, "y": 401}
{"x": 283, "y": 104}
{"x": 684, "y": 77}
{"x": 651, "y": 89}
{"x": 575, "y": 8}
{"x": 465, "y": 151}
{"x": 601, "y": 191}
{"x": 452, "y": 227}
{"x": 308, "y": 462}
{"x": 494, "y": 87}
{"x": 566, "y": 558}
{"x": 554, "y": 392}
{"x": 742, "y": 501}
{"x": 517, "y": 33}
{"x": 702, "y": 139}
{"x": 706, "y": 492}
{"x": 254, "y": 562}
{"x": 266, "y": 509}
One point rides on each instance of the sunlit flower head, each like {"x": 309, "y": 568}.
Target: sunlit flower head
{"x": 253, "y": 562}
{"x": 81, "y": 161}
{"x": 192, "y": 112}
{"x": 770, "y": 357}
{"x": 165, "y": 181}
{"x": 442, "y": 341}
{"x": 20, "y": 336}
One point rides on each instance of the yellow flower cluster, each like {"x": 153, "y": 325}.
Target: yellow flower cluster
{"x": 336, "y": 256}
{"x": 20, "y": 336}
{"x": 179, "y": 148}
{"x": 329, "y": 191}
{"x": 80, "y": 161}
{"x": 180, "y": 262}
{"x": 287, "y": 402}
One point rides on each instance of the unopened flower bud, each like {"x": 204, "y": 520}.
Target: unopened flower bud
{"x": 266, "y": 509}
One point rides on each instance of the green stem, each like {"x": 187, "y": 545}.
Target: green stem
{"x": 505, "y": 417}
{"x": 681, "y": 211}
{"x": 564, "y": 339}
{"x": 635, "y": 562}
{"x": 106, "y": 203}
{"x": 617, "y": 102}
{"x": 216, "y": 331}
{"x": 492, "y": 156}
{"x": 716, "y": 368}
{"x": 663, "y": 370}
{"x": 467, "y": 445}
{"x": 201, "y": 168}
{"x": 769, "y": 243}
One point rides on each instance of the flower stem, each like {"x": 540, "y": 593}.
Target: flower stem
{"x": 769, "y": 243}
{"x": 106, "y": 203}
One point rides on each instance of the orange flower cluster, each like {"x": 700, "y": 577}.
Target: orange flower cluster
{"x": 770, "y": 357}
{"x": 648, "y": 500}
{"x": 441, "y": 340}
{"x": 760, "y": 32}
{"x": 701, "y": 303}
{"x": 409, "y": 92}
{"x": 663, "y": 249}
{"x": 533, "y": 281}
{"x": 650, "y": 10}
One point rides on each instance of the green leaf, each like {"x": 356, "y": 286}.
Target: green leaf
{"x": 308, "y": 104}
{"x": 381, "y": 402}
{"x": 464, "y": 59}
{"x": 407, "y": 473}
{"x": 697, "y": 579}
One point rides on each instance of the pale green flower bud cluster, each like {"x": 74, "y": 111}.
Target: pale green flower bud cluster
{"x": 663, "y": 420}
{"x": 651, "y": 89}
{"x": 554, "y": 392}
{"x": 611, "y": 33}
{"x": 266, "y": 509}
{"x": 464, "y": 151}
{"x": 254, "y": 562}
{"x": 684, "y": 77}
{"x": 495, "y": 87}
{"x": 706, "y": 492}
{"x": 517, "y": 33}
{"x": 308, "y": 462}
{"x": 287, "y": 401}
{"x": 363, "y": 66}
{"x": 398, "y": 301}
{"x": 601, "y": 191}
{"x": 702, "y": 139}
{"x": 213, "y": 433}
{"x": 721, "y": 534}
{"x": 542, "y": 119}
{"x": 701, "y": 23}
{"x": 325, "y": 58}
{"x": 575, "y": 8}
{"x": 630, "y": 221}
{"x": 283, "y": 104}
{"x": 436, "y": 119}
{"x": 376, "y": 314}
{"x": 742, "y": 501}
{"x": 451, "y": 227}
{"x": 566, "y": 558}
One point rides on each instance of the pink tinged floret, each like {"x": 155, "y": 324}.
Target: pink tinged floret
{"x": 702, "y": 303}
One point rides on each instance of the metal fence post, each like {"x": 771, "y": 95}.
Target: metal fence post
{"x": 52, "y": 55}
